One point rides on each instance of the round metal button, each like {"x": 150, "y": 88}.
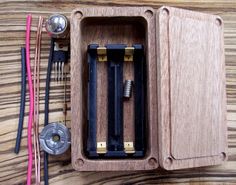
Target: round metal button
{"x": 57, "y": 25}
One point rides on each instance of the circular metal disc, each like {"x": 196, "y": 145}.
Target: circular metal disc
{"x": 57, "y": 25}
{"x": 55, "y": 138}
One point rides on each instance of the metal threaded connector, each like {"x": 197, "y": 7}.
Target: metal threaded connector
{"x": 55, "y": 138}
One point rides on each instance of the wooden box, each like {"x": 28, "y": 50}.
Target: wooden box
{"x": 186, "y": 97}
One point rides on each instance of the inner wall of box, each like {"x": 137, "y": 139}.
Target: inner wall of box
{"x": 104, "y": 31}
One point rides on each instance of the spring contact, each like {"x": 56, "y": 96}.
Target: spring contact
{"x": 128, "y": 88}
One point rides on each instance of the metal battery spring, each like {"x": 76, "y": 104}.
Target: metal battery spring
{"x": 128, "y": 88}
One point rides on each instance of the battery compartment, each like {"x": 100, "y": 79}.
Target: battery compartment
{"x": 98, "y": 134}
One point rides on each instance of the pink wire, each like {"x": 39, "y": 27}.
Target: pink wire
{"x": 31, "y": 94}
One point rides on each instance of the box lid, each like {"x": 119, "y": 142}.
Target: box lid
{"x": 191, "y": 89}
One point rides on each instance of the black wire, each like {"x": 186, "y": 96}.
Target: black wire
{"x": 46, "y": 108}
{"x": 22, "y": 101}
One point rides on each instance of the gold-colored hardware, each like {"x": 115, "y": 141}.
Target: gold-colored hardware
{"x": 129, "y": 54}
{"x": 101, "y": 147}
{"x": 102, "y": 54}
{"x": 129, "y": 147}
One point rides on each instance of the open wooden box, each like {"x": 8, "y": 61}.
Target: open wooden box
{"x": 186, "y": 97}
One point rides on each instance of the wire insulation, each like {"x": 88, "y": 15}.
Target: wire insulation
{"x": 38, "y": 94}
{"x": 22, "y": 101}
{"x": 46, "y": 108}
{"x": 31, "y": 94}
{"x": 35, "y": 108}
{"x": 36, "y": 100}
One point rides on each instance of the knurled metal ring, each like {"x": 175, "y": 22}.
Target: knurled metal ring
{"x": 55, "y": 138}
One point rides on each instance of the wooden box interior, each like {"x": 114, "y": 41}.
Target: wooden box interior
{"x": 113, "y": 26}
{"x": 104, "y": 31}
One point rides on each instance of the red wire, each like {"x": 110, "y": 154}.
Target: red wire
{"x": 31, "y": 107}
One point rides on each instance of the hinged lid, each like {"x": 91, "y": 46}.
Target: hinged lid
{"x": 191, "y": 89}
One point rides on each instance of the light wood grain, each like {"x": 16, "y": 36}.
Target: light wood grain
{"x": 12, "y": 34}
{"x": 192, "y": 110}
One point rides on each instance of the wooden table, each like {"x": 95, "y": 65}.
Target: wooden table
{"x": 12, "y": 36}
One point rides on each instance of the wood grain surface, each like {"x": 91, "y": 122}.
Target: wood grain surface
{"x": 192, "y": 97}
{"x": 12, "y": 34}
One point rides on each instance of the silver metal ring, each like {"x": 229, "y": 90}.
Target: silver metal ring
{"x": 55, "y": 138}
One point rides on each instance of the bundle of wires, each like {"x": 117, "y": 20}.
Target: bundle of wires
{"x": 34, "y": 88}
{"x": 36, "y": 100}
